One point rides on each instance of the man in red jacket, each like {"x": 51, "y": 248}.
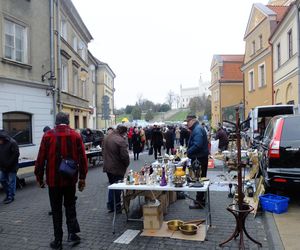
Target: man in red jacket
{"x": 57, "y": 144}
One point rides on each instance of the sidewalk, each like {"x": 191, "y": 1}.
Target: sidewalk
{"x": 25, "y": 224}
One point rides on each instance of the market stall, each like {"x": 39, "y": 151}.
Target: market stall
{"x": 158, "y": 182}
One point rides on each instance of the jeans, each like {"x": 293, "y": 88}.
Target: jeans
{"x": 66, "y": 196}
{"x": 114, "y": 179}
{"x": 8, "y": 181}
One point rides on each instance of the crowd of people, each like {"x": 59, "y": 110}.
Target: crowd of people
{"x": 62, "y": 164}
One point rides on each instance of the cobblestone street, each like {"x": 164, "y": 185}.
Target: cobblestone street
{"x": 25, "y": 223}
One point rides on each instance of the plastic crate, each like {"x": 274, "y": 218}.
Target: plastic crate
{"x": 274, "y": 203}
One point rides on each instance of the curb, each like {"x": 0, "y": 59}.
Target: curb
{"x": 272, "y": 232}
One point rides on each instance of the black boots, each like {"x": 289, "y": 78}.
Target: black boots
{"x": 73, "y": 239}
{"x": 56, "y": 244}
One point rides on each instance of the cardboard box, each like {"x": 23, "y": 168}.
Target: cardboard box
{"x": 153, "y": 216}
{"x": 153, "y": 221}
{"x": 172, "y": 197}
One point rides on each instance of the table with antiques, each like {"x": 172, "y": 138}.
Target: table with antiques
{"x": 94, "y": 156}
{"x": 165, "y": 175}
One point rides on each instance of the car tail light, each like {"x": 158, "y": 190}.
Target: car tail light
{"x": 280, "y": 180}
{"x": 274, "y": 147}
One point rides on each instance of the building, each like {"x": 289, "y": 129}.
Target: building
{"x": 71, "y": 40}
{"x": 105, "y": 89}
{"x": 26, "y": 88}
{"x": 257, "y": 66}
{"x": 186, "y": 94}
{"x": 285, "y": 48}
{"x": 226, "y": 87}
{"x": 101, "y": 92}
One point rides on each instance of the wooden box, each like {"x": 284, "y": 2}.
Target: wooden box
{"x": 153, "y": 216}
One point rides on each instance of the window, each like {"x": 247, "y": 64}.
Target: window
{"x": 82, "y": 50}
{"x": 261, "y": 75}
{"x": 64, "y": 77}
{"x": 253, "y": 47}
{"x": 63, "y": 28}
{"x": 19, "y": 126}
{"x": 260, "y": 42}
{"x": 251, "y": 81}
{"x": 278, "y": 55}
{"x": 75, "y": 44}
{"x": 83, "y": 89}
{"x": 290, "y": 43}
{"x": 93, "y": 76}
{"x": 15, "y": 42}
{"x": 75, "y": 82}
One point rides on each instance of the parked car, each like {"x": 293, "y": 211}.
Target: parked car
{"x": 260, "y": 117}
{"x": 280, "y": 148}
{"x": 97, "y": 137}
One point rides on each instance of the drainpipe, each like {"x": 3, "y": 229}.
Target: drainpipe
{"x": 52, "y": 63}
{"x": 298, "y": 49}
{"x": 220, "y": 108}
{"x": 59, "y": 78}
{"x": 96, "y": 95}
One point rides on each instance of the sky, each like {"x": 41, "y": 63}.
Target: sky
{"x": 153, "y": 46}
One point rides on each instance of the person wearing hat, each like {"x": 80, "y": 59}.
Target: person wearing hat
{"x": 197, "y": 150}
{"x": 59, "y": 144}
{"x": 156, "y": 140}
{"x": 115, "y": 162}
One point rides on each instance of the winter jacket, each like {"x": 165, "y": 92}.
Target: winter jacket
{"x": 9, "y": 153}
{"x": 198, "y": 144}
{"x": 169, "y": 136}
{"x": 60, "y": 143}
{"x": 157, "y": 138}
{"x": 221, "y": 135}
{"x": 115, "y": 154}
{"x": 136, "y": 142}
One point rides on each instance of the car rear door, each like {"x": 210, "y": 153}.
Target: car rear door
{"x": 290, "y": 144}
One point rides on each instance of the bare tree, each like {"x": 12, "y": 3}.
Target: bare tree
{"x": 170, "y": 98}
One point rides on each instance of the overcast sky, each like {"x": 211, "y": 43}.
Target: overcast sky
{"x": 153, "y": 46}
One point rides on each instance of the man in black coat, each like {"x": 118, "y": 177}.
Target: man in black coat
{"x": 9, "y": 156}
{"x": 156, "y": 140}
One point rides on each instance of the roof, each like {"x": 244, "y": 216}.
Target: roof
{"x": 232, "y": 72}
{"x": 226, "y": 58}
{"x": 279, "y": 10}
{"x": 272, "y": 12}
{"x": 105, "y": 65}
{"x": 232, "y": 58}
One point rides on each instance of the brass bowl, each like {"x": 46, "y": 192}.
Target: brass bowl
{"x": 188, "y": 229}
{"x": 174, "y": 224}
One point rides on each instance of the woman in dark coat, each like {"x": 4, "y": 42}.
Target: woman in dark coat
{"x": 136, "y": 143}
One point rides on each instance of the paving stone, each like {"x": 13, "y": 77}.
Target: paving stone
{"x": 25, "y": 223}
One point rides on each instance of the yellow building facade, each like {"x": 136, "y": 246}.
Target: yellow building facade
{"x": 257, "y": 67}
{"x": 226, "y": 87}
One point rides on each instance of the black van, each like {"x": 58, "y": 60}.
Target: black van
{"x": 280, "y": 148}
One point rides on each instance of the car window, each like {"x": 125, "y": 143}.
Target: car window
{"x": 291, "y": 131}
{"x": 269, "y": 131}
